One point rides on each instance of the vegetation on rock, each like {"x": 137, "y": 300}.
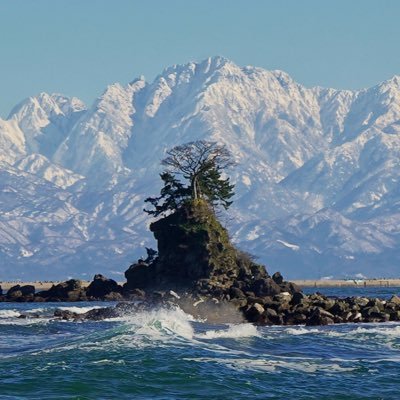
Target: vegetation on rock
{"x": 194, "y": 250}
{"x": 200, "y": 164}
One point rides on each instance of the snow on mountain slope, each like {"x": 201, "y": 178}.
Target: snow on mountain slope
{"x": 45, "y": 120}
{"x": 38, "y": 221}
{"x": 39, "y": 165}
{"x": 259, "y": 114}
{"x": 317, "y": 180}
{"x": 358, "y": 169}
{"x": 95, "y": 144}
{"x": 326, "y": 243}
{"x": 12, "y": 141}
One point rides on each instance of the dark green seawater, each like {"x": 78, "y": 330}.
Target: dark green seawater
{"x": 165, "y": 354}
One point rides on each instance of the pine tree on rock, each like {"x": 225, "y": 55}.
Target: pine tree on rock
{"x": 200, "y": 164}
{"x": 173, "y": 194}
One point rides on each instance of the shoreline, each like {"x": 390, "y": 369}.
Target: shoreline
{"x": 303, "y": 283}
{"x": 39, "y": 285}
{"x": 347, "y": 283}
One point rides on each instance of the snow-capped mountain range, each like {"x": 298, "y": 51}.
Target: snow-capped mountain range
{"x": 317, "y": 175}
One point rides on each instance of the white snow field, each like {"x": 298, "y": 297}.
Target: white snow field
{"x": 317, "y": 175}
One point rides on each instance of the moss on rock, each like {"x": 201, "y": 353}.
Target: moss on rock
{"x": 194, "y": 251}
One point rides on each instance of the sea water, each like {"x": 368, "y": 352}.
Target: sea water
{"x": 166, "y": 354}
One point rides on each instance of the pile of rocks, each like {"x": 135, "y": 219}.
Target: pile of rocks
{"x": 281, "y": 309}
{"x": 100, "y": 288}
{"x": 263, "y": 301}
{"x": 198, "y": 269}
{"x": 317, "y": 309}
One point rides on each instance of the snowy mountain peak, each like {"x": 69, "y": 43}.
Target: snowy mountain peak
{"x": 45, "y": 105}
{"x": 393, "y": 81}
{"x": 45, "y": 118}
{"x": 141, "y": 78}
{"x": 317, "y": 189}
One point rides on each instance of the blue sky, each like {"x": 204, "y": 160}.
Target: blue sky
{"x": 77, "y": 47}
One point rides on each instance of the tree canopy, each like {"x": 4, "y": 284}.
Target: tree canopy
{"x": 194, "y": 171}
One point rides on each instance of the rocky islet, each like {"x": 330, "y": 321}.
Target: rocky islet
{"x": 198, "y": 269}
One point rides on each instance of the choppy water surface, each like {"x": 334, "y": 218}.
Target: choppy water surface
{"x": 165, "y": 354}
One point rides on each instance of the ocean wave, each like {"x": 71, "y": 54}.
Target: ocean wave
{"x": 9, "y": 314}
{"x": 161, "y": 323}
{"x": 108, "y": 362}
{"x": 348, "y": 330}
{"x": 275, "y": 365}
{"x": 389, "y": 330}
{"x": 13, "y": 317}
{"x": 233, "y": 332}
{"x": 24, "y": 321}
{"x": 301, "y": 330}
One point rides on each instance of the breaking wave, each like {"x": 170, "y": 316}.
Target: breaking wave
{"x": 167, "y": 353}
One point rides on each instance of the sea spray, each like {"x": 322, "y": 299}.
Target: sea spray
{"x": 160, "y": 322}
{"x": 9, "y": 314}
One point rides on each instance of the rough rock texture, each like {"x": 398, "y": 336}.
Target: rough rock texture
{"x": 283, "y": 309}
{"x": 195, "y": 254}
{"x": 196, "y": 258}
{"x": 102, "y": 287}
{"x": 71, "y": 290}
{"x": 21, "y": 293}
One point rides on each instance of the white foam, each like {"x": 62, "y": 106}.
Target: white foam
{"x": 233, "y": 332}
{"x": 387, "y": 333}
{"x": 9, "y": 314}
{"x": 23, "y": 321}
{"x": 78, "y": 310}
{"x": 156, "y": 328}
{"x": 301, "y": 331}
{"x": 161, "y": 323}
{"x": 109, "y": 362}
{"x": 385, "y": 330}
{"x": 252, "y": 364}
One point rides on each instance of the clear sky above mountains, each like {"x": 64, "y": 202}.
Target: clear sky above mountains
{"x": 77, "y": 47}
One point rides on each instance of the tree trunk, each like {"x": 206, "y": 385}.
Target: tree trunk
{"x": 194, "y": 188}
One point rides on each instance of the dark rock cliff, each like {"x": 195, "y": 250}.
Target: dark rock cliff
{"x": 195, "y": 254}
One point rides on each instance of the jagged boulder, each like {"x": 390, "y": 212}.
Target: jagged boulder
{"x": 395, "y": 300}
{"x": 138, "y": 276}
{"x": 21, "y": 293}
{"x": 320, "y": 317}
{"x": 277, "y": 278}
{"x": 71, "y": 290}
{"x": 255, "y": 313}
{"x": 265, "y": 287}
{"x": 66, "y": 315}
{"x": 101, "y": 287}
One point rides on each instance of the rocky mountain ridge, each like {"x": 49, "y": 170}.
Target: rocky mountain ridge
{"x": 317, "y": 177}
